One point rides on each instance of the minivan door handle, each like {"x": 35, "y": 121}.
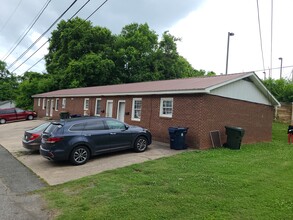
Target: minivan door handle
{"x": 87, "y": 135}
{"x": 112, "y": 133}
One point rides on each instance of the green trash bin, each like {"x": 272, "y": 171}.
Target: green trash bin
{"x": 234, "y": 137}
{"x": 64, "y": 115}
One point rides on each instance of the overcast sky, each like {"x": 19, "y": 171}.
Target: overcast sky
{"x": 203, "y": 26}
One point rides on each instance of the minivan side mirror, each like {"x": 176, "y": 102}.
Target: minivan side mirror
{"x": 126, "y": 127}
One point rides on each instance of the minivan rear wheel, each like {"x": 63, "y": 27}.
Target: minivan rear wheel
{"x": 2, "y": 121}
{"x": 80, "y": 155}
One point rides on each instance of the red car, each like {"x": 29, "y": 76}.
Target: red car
{"x": 15, "y": 114}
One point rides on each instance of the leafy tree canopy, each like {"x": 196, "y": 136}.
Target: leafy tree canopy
{"x": 282, "y": 89}
{"x": 8, "y": 83}
{"x": 81, "y": 54}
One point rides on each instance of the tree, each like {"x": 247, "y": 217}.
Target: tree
{"x": 71, "y": 46}
{"x": 81, "y": 55}
{"x": 282, "y": 89}
{"x": 8, "y": 83}
{"x": 133, "y": 52}
{"x": 32, "y": 83}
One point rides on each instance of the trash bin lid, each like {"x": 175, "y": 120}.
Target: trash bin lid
{"x": 177, "y": 129}
{"x": 233, "y": 129}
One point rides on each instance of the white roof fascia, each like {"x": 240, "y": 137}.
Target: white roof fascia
{"x": 265, "y": 91}
{"x": 228, "y": 82}
{"x": 256, "y": 81}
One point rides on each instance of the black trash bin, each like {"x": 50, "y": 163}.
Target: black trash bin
{"x": 177, "y": 138}
{"x": 64, "y": 115}
{"x": 234, "y": 137}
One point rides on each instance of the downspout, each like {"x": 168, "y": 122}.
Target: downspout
{"x": 292, "y": 114}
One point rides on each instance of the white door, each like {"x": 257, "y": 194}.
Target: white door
{"x": 121, "y": 110}
{"x": 51, "y": 107}
{"x": 47, "y": 107}
{"x": 109, "y": 108}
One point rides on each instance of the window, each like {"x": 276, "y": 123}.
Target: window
{"x": 115, "y": 124}
{"x": 166, "y": 107}
{"x": 44, "y": 103}
{"x": 94, "y": 125}
{"x": 98, "y": 107}
{"x": 39, "y": 101}
{"x": 18, "y": 110}
{"x": 136, "y": 109}
{"x": 56, "y": 104}
{"x": 86, "y": 104}
{"x": 63, "y": 103}
{"x": 77, "y": 127}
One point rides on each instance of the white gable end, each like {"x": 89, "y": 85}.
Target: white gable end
{"x": 242, "y": 90}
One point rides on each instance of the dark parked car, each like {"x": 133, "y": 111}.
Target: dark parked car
{"x": 15, "y": 114}
{"x": 32, "y": 138}
{"x": 77, "y": 139}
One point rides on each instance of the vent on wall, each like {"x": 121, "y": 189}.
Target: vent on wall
{"x": 215, "y": 138}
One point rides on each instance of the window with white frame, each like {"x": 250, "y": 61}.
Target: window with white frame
{"x": 136, "y": 109}
{"x": 56, "y": 104}
{"x": 44, "y": 104}
{"x": 98, "y": 107}
{"x": 166, "y": 107}
{"x": 39, "y": 101}
{"x": 64, "y": 103}
{"x": 86, "y": 104}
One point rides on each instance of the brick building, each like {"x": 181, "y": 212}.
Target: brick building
{"x": 202, "y": 104}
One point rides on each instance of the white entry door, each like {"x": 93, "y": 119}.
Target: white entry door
{"x": 109, "y": 108}
{"x": 51, "y": 107}
{"x": 47, "y": 107}
{"x": 121, "y": 110}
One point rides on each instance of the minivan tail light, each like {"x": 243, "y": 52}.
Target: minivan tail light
{"x": 53, "y": 140}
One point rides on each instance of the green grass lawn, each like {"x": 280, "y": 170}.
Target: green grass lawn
{"x": 255, "y": 182}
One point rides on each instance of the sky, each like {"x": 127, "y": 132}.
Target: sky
{"x": 202, "y": 25}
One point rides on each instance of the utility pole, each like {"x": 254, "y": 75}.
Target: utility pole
{"x": 227, "y": 57}
{"x": 281, "y": 67}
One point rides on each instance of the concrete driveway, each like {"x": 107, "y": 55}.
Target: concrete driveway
{"x": 56, "y": 173}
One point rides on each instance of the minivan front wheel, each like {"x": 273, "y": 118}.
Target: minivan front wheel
{"x": 80, "y": 155}
{"x": 141, "y": 144}
{"x": 30, "y": 117}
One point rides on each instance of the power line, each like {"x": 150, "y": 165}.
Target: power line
{"x": 48, "y": 41}
{"x": 260, "y": 37}
{"x": 31, "y": 55}
{"x": 284, "y": 67}
{"x": 27, "y": 50}
{"x": 11, "y": 15}
{"x": 75, "y": 28}
{"x": 96, "y": 10}
{"x": 19, "y": 40}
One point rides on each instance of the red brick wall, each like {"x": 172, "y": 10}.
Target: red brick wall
{"x": 201, "y": 113}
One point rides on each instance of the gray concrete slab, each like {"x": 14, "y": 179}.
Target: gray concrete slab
{"x": 57, "y": 173}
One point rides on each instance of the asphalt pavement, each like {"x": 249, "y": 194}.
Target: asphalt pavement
{"x": 16, "y": 184}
